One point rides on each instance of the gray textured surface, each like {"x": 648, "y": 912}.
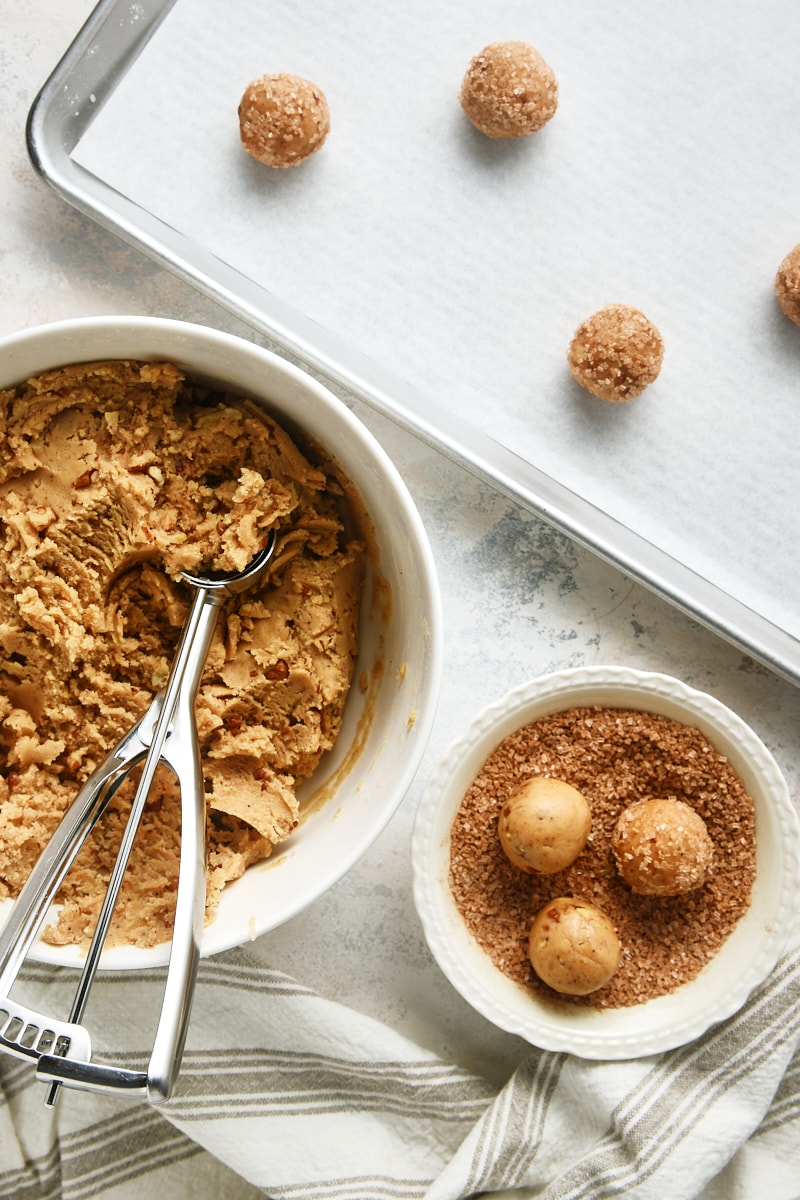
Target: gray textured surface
{"x": 519, "y": 599}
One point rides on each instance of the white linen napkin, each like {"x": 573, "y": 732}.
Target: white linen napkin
{"x": 286, "y": 1094}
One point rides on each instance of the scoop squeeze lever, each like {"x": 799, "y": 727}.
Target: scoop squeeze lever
{"x": 166, "y": 734}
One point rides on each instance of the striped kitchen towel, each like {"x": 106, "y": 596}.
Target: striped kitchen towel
{"x": 286, "y": 1094}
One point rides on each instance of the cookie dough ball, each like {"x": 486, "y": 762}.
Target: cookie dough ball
{"x": 616, "y": 353}
{"x": 283, "y": 119}
{"x": 509, "y": 91}
{"x": 573, "y": 947}
{"x": 544, "y": 824}
{"x": 662, "y": 848}
{"x": 787, "y": 285}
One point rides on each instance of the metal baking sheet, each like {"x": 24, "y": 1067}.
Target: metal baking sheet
{"x": 438, "y": 276}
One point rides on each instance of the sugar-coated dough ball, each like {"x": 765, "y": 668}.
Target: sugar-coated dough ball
{"x": 787, "y": 285}
{"x": 616, "y": 353}
{"x": 509, "y": 90}
{"x": 662, "y": 847}
{"x": 544, "y": 824}
{"x": 283, "y": 119}
{"x": 573, "y": 946}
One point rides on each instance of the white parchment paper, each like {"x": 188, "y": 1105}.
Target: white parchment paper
{"x": 669, "y": 179}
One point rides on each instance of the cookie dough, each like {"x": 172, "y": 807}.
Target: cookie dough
{"x": 283, "y": 119}
{"x": 662, "y": 847}
{"x": 616, "y": 353}
{"x": 544, "y": 824}
{"x": 573, "y": 946}
{"x": 787, "y": 285}
{"x": 115, "y": 477}
{"x": 509, "y": 91}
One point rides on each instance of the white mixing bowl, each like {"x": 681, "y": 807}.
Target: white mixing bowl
{"x": 360, "y": 784}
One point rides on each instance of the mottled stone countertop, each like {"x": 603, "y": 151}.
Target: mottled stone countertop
{"x": 519, "y": 599}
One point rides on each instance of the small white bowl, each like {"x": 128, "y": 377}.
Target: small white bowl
{"x": 359, "y": 785}
{"x": 745, "y": 959}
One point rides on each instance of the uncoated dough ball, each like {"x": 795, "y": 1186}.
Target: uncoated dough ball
{"x": 544, "y": 824}
{"x": 662, "y": 847}
{"x": 787, "y": 285}
{"x": 616, "y": 353}
{"x": 283, "y": 119}
{"x": 573, "y": 947}
{"x": 509, "y": 90}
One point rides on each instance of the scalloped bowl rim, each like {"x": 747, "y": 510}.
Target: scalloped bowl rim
{"x": 742, "y": 963}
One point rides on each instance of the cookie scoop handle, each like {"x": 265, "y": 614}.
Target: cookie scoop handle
{"x": 172, "y": 738}
{"x": 166, "y": 734}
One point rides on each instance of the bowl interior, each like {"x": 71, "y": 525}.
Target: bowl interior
{"x": 743, "y": 961}
{"x": 387, "y": 722}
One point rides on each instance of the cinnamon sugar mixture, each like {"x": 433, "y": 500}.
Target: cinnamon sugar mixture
{"x": 613, "y": 756}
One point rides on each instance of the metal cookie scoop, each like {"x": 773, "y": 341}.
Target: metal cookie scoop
{"x": 165, "y": 734}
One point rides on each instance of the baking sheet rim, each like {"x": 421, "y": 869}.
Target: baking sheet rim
{"x": 64, "y": 108}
